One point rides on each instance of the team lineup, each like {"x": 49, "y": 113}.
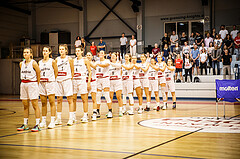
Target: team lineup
{"x": 69, "y": 77}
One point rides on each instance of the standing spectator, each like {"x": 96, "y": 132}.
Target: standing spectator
{"x": 133, "y": 46}
{"x": 185, "y": 50}
{"x": 228, "y": 41}
{"x": 93, "y": 49}
{"x": 178, "y": 65}
{"x": 218, "y": 41}
{"x": 237, "y": 45}
{"x": 202, "y": 47}
{"x": 165, "y": 40}
{"x": 148, "y": 59}
{"x": 195, "y": 55}
{"x": 223, "y": 32}
{"x": 119, "y": 58}
{"x": 213, "y": 34}
{"x": 234, "y": 32}
{"x": 83, "y": 43}
{"x": 123, "y": 43}
{"x": 155, "y": 50}
{"x": 109, "y": 55}
{"x": 102, "y": 45}
{"x": 226, "y": 60}
{"x": 177, "y": 50}
{"x": 192, "y": 39}
{"x": 170, "y": 57}
{"x": 207, "y": 40}
{"x": 165, "y": 52}
{"x": 216, "y": 55}
{"x": 203, "y": 61}
{"x": 198, "y": 39}
{"x": 173, "y": 39}
{"x": 188, "y": 67}
{"x": 209, "y": 52}
{"x": 78, "y": 42}
{"x": 183, "y": 39}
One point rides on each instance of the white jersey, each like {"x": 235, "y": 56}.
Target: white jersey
{"x": 28, "y": 72}
{"x": 135, "y": 72}
{"x": 127, "y": 74}
{"x": 152, "y": 74}
{"x": 102, "y": 72}
{"x": 80, "y": 69}
{"x": 169, "y": 74}
{"x": 188, "y": 64}
{"x": 64, "y": 69}
{"x": 160, "y": 73}
{"x": 115, "y": 71}
{"x": 93, "y": 74}
{"x": 47, "y": 71}
{"x": 143, "y": 74}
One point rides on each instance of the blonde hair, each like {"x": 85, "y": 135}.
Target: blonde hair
{"x": 31, "y": 51}
{"x": 65, "y": 46}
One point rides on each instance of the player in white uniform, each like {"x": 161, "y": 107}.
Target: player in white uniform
{"x": 48, "y": 75}
{"x": 162, "y": 81}
{"x": 170, "y": 81}
{"x": 81, "y": 68}
{"x": 93, "y": 90}
{"x": 127, "y": 81}
{"x": 137, "y": 84}
{"x": 143, "y": 74}
{"x": 103, "y": 81}
{"x": 30, "y": 78}
{"x": 116, "y": 81}
{"x": 153, "y": 80}
{"x": 64, "y": 86}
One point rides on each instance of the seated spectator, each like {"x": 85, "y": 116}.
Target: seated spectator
{"x": 78, "y": 42}
{"x": 165, "y": 40}
{"x": 207, "y": 40}
{"x": 198, "y": 39}
{"x": 165, "y": 52}
{"x": 177, "y": 50}
{"x": 226, "y": 60}
{"x": 188, "y": 67}
{"x": 178, "y": 65}
{"x": 195, "y": 57}
{"x": 218, "y": 41}
{"x": 203, "y": 61}
{"x": 237, "y": 45}
{"x": 155, "y": 50}
{"x": 216, "y": 56}
{"x": 183, "y": 39}
{"x": 173, "y": 39}
{"x": 228, "y": 41}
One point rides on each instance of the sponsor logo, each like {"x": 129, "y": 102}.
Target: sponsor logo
{"x": 208, "y": 124}
{"x": 229, "y": 88}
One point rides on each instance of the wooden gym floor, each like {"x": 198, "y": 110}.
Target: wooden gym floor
{"x": 120, "y": 137}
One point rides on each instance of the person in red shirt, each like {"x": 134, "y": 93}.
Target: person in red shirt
{"x": 178, "y": 65}
{"x": 93, "y": 49}
{"x": 237, "y": 45}
{"x": 155, "y": 50}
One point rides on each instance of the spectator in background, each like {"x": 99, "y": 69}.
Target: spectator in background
{"x": 93, "y": 49}
{"x": 123, "y": 43}
{"x": 185, "y": 50}
{"x": 216, "y": 56}
{"x": 183, "y": 39}
{"x": 234, "y": 32}
{"x": 223, "y": 32}
{"x": 237, "y": 45}
{"x": 195, "y": 57}
{"x": 165, "y": 40}
{"x": 228, "y": 41}
{"x": 119, "y": 58}
{"x": 226, "y": 60}
{"x": 109, "y": 55}
{"x": 155, "y": 50}
{"x": 165, "y": 52}
{"x": 148, "y": 59}
{"x": 198, "y": 39}
{"x": 188, "y": 67}
{"x": 170, "y": 57}
{"x": 203, "y": 61}
{"x": 78, "y": 42}
{"x": 192, "y": 40}
{"x": 213, "y": 34}
{"x": 177, "y": 50}
{"x": 202, "y": 47}
{"x": 83, "y": 44}
{"x": 133, "y": 46}
{"x": 218, "y": 41}
{"x": 178, "y": 65}
{"x": 207, "y": 40}
{"x": 173, "y": 39}
{"x": 209, "y": 52}
{"x": 102, "y": 45}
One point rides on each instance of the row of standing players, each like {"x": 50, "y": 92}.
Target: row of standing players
{"x": 69, "y": 77}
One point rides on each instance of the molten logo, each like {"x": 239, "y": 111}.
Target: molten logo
{"x": 229, "y": 88}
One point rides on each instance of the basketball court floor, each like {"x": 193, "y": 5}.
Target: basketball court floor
{"x": 190, "y": 131}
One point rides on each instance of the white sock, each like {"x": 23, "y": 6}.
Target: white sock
{"x": 120, "y": 109}
{"x": 131, "y": 108}
{"x": 158, "y": 103}
{"x": 85, "y": 114}
{"x": 71, "y": 114}
{"x": 165, "y": 103}
{"x": 140, "y": 106}
{"x": 52, "y": 119}
{"x": 25, "y": 121}
{"x": 44, "y": 119}
{"x": 94, "y": 110}
{"x": 59, "y": 115}
{"x": 37, "y": 121}
{"x": 148, "y": 104}
{"x": 124, "y": 107}
{"x": 74, "y": 115}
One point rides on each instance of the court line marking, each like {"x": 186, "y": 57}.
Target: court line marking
{"x": 176, "y": 138}
{"x": 234, "y": 116}
{"x": 80, "y": 149}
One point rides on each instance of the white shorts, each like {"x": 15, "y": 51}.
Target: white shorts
{"x": 127, "y": 87}
{"x": 79, "y": 86}
{"x": 162, "y": 80}
{"x": 47, "y": 88}
{"x": 170, "y": 85}
{"x": 136, "y": 83}
{"x": 115, "y": 85}
{"x": 93, "y": 87}
{"x": 103, "y": 83}
{"x": 64, "y": 88}
{"x": 29, "y": 90}
{"x": 144, "y": 83}
{"x": 153, "y": 85}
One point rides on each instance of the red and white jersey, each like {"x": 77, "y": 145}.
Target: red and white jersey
{"x": 143, "y": 74}
{"x": 47, "y": 71}
{"x": 160, "y": 73}
{"x": 152, "y": 73}
{"x": 115, "y": 71}
{"x": 102, "y": 72}
{"x": 93, "y": 73}
{"x": 169, "y": 74}
{"x": 127, "y": 74}
{"x": 28, "y": 72}
{"x": 135, "y": 72}
{"x": 80, "y": 69}
{"x": 64, "y": 69}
